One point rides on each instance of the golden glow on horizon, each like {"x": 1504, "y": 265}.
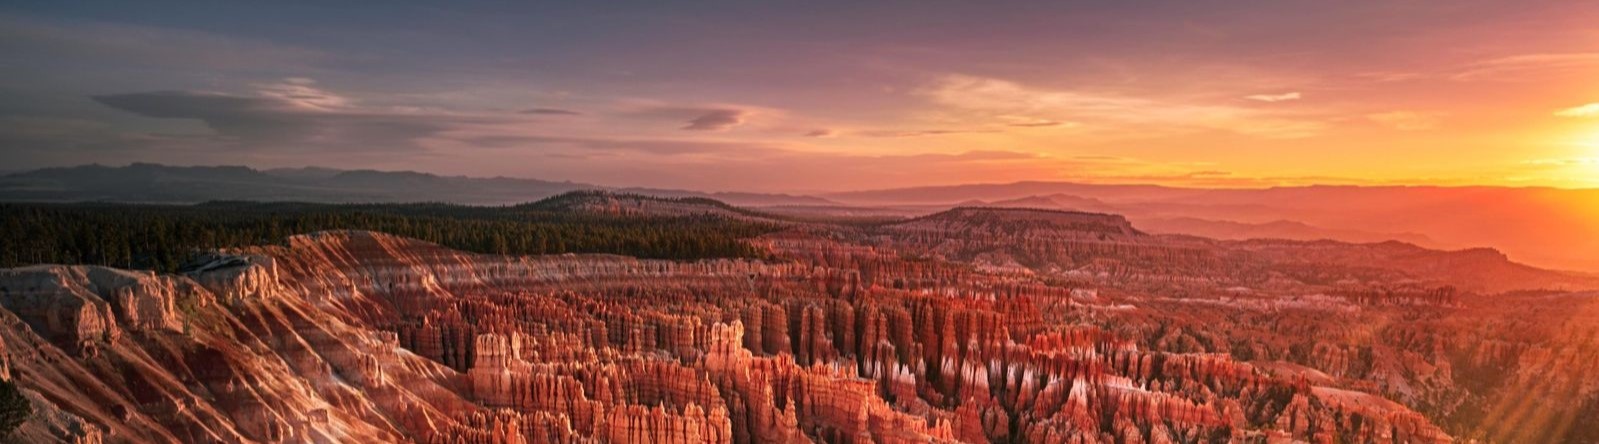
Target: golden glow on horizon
{"x": 1444, "y": 95}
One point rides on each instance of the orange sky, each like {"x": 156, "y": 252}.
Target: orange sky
{"x": 735, "y": 96}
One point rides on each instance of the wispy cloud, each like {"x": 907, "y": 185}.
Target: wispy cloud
{"x": 835, "y": 171}
{"x": 1589, "y": 110}
{"x": 698, "y": 118}
{"x": 301, "y": 92}
{"x": 293, "y": 115}
{"x": 1273, "y": 98}
{"x": 641, "y": 145}
{"x": 1392, "y": 76}
{"x": 716, "y": 120}
{"x": 550, "y": 111}
{"x": 1563, "y": 162}
{"x": 1109, "y": 112}
{"x": 1515, "y": 66}
{"x": 1040, "y": 124}
{"x": 920, "y": 133}
{"x": 298, "y": 115}
{"x": 1406, "y": 120}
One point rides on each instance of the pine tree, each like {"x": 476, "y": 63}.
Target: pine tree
{"x": 14, "y": 408}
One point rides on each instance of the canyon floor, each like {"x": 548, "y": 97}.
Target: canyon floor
{"x": 968, "y": 325}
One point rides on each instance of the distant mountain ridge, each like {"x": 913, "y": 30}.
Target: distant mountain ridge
{"x": 1548, "y": 227}
{"x": 1278, "y": 229}
{"x": 1041, "y": 239}
{"x": 1024, "y": 220}
{"x": 155, "y": 183}
{"x": 613, "y": 203}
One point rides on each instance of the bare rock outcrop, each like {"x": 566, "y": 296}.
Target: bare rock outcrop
{"x": 907, "y": 333}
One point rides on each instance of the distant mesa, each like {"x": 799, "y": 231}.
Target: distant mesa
{"x": 1025, "y": 219}
{"x": 612, "y": 203}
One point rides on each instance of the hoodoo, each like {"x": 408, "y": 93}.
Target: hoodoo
{"x": 359, "y": 335}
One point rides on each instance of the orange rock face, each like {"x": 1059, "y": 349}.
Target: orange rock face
{"x": 1066, "y": 329}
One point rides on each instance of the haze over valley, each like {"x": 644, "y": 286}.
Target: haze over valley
{"x": 1549, "y": 227}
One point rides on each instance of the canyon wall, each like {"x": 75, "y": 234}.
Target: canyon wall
{"x": 357, "y": 336}
{"x": 985, "y": 325}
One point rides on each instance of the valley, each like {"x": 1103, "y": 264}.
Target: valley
{"x": 976, "y": 324}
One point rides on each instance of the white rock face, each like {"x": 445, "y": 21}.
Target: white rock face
{"x": 237, "y": 277}
{"x": 65, "y": 304}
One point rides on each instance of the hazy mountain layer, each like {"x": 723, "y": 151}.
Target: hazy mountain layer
{"x": 1549, "y": 227}
{"x": 152, "y": 183}
{"x": 1544, "y": 226}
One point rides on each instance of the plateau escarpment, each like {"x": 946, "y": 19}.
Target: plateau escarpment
{"x": 627, "y": 204}
{"x": 978, "y": 325}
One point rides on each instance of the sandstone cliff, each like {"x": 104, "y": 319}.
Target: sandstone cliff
{"x": 364, "y": 337}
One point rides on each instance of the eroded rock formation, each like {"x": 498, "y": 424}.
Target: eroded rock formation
{"x": 1073, "y": 328}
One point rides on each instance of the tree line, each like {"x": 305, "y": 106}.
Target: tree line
{"x": 163, "y": 237}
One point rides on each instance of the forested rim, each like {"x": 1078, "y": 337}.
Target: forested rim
{"x": 163, "y": 237}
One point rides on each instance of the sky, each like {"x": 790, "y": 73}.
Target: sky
{"x": 817, "y": 95}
